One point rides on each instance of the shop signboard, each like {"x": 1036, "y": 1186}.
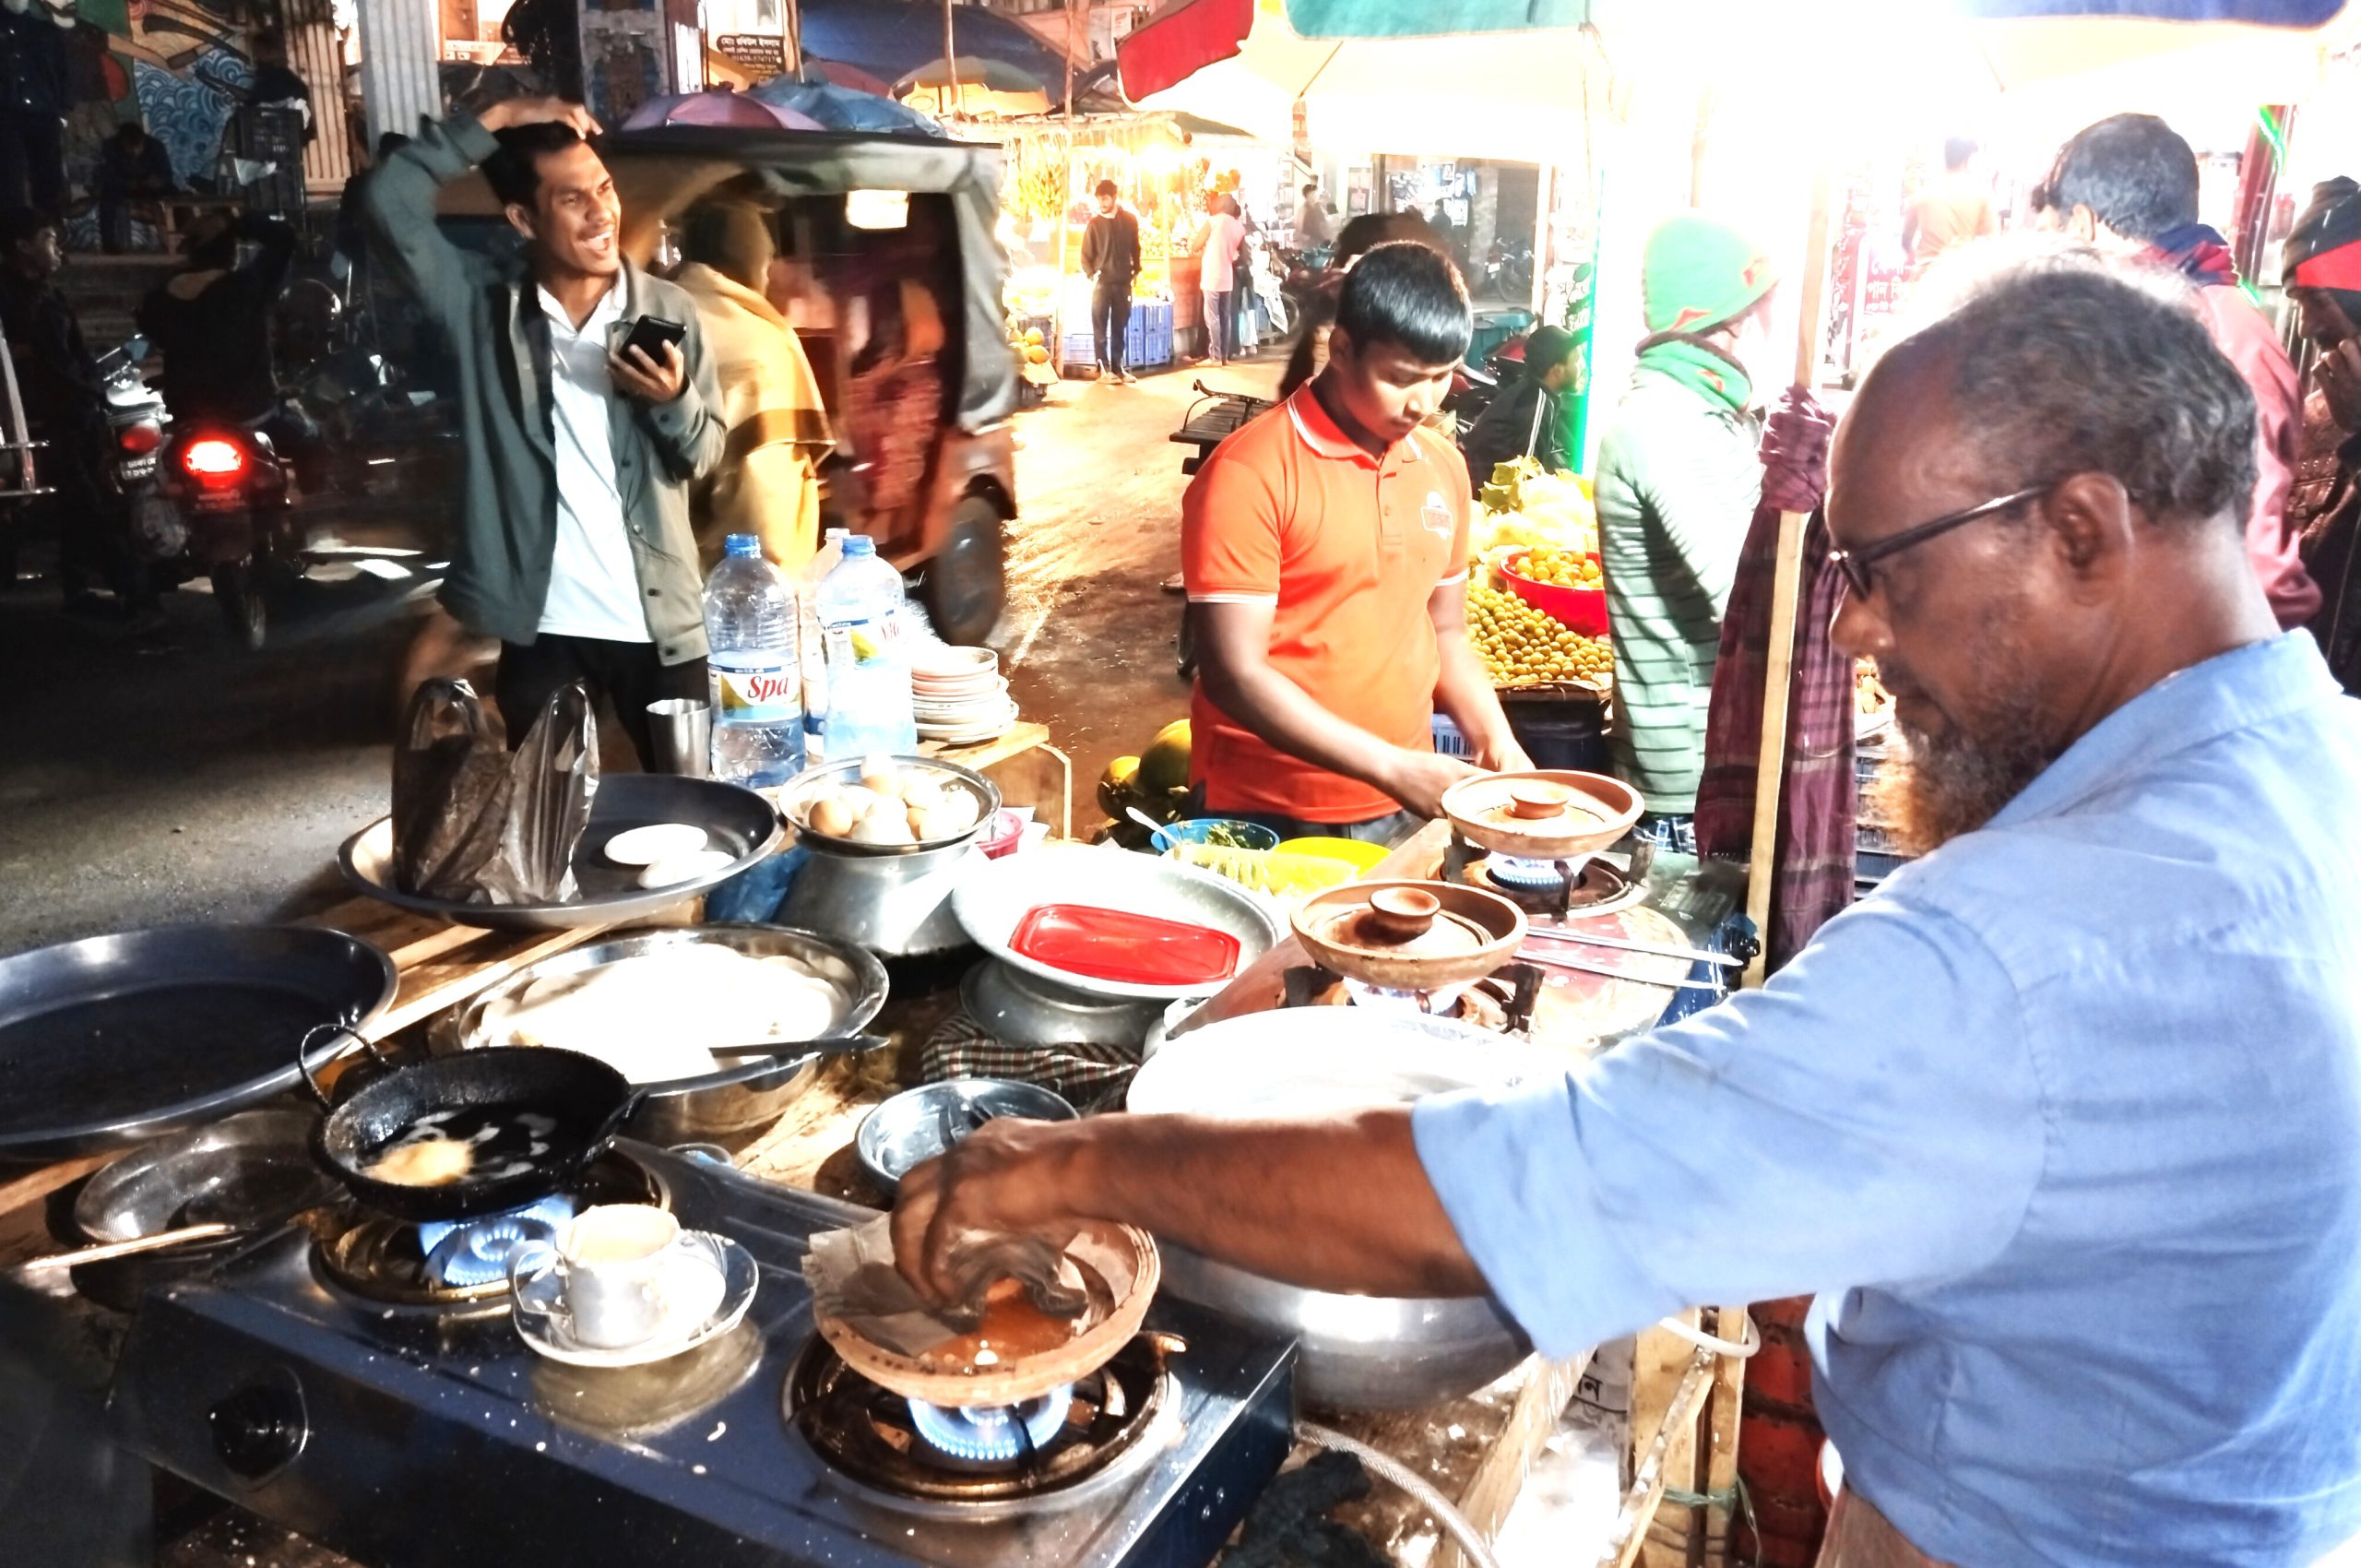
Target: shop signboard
{"x": 762, "y": 53}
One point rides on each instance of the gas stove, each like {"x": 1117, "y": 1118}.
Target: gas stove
{"x": 424, "y": 1433}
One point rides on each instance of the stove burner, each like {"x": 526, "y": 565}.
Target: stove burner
{"x": 388, "y": 1261}
{"x": 1535, "y": 876}
{"x": 891, "y": 1445}
{"x": 476, "y": 1252}
{"x": 1442, "y": 1003}
{"x": 992, "y": 1436}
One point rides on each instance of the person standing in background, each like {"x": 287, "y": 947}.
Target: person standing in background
{"x": 1679, "y": 479}
{"x": 2128, "y": 187}
{"x": 36, "y": 91}
{"x": 1528, "y": 419}
{"x": 1225, "y": 236}
{"x": 2322, "y": 273}
{"x": 1110, "y": 259}
{"x": 573, "y": 545}
{"x": 1314, "y": 224}
{"x": 133, "y": 168}
{"x": 769, "y": 482}
{"x": 1951, "y": 209}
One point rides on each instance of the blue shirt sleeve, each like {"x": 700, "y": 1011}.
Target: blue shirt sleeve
{"x": 1871, "y": 1117}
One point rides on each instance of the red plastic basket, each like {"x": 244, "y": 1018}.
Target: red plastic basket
{"x": 1582, "y": 608}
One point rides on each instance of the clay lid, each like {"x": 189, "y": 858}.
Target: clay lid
{"x": 1402, "y": 922}
{"x": 1545, "y": 815}
{"x": 1408, "y": 936}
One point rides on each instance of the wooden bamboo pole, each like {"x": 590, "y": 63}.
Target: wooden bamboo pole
{"x": 958, "y": 93}
{"x": 1787, "y": 580}
{"x": 793, "y": 39}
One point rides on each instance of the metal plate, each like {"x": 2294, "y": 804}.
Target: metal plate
{"x": 991, "y": 902}
{"x": 112, "y": 1041}
{"x": 735, "y": 819}
{"x": 796, "y": 804}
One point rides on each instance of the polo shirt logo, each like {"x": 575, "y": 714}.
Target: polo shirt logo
{"x": 1436, "y": 515}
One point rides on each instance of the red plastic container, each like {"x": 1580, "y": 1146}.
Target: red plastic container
{"x": 1003, "y": 834}
{"x": 1582, "y": 608}
{"x": 1114, "y": 944}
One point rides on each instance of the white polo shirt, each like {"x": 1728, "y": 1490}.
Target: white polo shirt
{"x": 593, "y": 584}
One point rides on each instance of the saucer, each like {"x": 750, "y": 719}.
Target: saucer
{"x": 707, "y": 1284}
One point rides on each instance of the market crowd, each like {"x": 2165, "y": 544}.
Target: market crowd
{"x": 2063, "y": 1126}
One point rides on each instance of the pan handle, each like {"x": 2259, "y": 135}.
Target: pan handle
{"x": 304, "y": 1055}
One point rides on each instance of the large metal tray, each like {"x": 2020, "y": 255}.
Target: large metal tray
{"x": 112, "y": 1041}
{"x": 991, "y": 901}
{"x": 737, "y": 1096}
{"x": 734, "y": 818}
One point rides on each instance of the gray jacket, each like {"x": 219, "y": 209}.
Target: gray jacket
{"x": 500, "y": 564}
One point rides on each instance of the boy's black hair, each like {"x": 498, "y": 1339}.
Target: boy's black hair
{"x": 514, "y": 173}
{"x": 1957, "y": 151}
{"x": 2133, "y": 171}
{"x": 1406, "y": 293}
{"x": 1104, "y": 187}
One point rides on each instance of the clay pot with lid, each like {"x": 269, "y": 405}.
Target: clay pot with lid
{"x": 1409, "y": 936}
{"x": 1546, "y": 814}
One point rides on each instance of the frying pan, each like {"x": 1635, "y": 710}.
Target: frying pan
{"x": 589, "y": 1101}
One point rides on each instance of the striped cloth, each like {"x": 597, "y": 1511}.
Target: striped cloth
{"x": 1678, "y": 480}
{"x": 1088, "y": 1076}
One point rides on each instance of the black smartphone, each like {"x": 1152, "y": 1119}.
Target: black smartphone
{"x": 649, "y": 334}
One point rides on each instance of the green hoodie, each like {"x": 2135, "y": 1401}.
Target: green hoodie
{"x": 489, "y": 315}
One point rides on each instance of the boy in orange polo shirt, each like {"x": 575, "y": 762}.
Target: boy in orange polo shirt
{"x": 1324, "y": 548}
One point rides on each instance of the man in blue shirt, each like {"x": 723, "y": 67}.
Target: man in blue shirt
{"x": 2063, "y": 1126}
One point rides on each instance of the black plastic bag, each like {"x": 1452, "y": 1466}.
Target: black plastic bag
{"x": 476, "y": 824}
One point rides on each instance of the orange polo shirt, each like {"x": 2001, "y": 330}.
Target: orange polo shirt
{"x": 1348, "y": 547}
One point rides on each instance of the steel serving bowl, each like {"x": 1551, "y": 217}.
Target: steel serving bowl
{"x": 735, "y": 819}
{"x": 918, "y": 1124}
{"x": 744, "y": 1095}
{"x": 796, "y": 804}
{"x": 995, "y": 897}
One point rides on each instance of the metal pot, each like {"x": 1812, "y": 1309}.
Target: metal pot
{"x": 1359, "y": 1352}
{"x": 747, "y": 1094}
{"x": 896, "y": 906}
{"x": 1025, "y": 1009}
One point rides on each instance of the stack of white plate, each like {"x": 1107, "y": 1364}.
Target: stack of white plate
{"x": 959, "y": 696}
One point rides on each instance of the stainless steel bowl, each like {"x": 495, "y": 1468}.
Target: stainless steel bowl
{"x": 746, "y": 1095}
{"x": 796, "y": 804}
{"x": 1024, "y": 1009}
{"x": 918, "y": 1124}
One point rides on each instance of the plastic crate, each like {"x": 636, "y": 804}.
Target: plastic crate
{"x": 1449, "y": 741}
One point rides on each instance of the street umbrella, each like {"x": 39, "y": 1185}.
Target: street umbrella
{"x": 976, "y": 86}
{"x": 842, "y": 74}
{"x": 1504, "y": 78}
{"x": 843, "y": 108}
{"x": 719, "y": 106}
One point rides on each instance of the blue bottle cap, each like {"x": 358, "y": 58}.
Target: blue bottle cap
{"x": 743, "y": 544}
{"x": 859, "y": 544}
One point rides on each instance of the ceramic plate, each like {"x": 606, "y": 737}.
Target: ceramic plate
{"x": 707, "y": 1285}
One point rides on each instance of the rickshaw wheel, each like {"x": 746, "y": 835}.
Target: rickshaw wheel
{"x": 966, "y": 585}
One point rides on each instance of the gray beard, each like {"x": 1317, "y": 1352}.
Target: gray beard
{"x": 1944, "y": 786}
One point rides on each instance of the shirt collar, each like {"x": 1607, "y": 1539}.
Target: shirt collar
{"x": 1318, "y": 431}
{"x": 609, "y": 309}
{"x": 2238, "y": 690}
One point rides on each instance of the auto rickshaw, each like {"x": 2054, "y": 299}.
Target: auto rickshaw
{"x": 890, "y": 269}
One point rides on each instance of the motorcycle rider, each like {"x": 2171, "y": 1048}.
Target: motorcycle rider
{"x": 65, "y": 401}
{"x": 1528, "y": 419}
{"x": 211, "y": 323}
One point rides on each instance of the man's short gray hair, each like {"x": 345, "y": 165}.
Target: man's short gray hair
{"x": 2059, "y": 368}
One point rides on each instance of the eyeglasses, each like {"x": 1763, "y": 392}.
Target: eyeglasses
{"x": 1856, "y": 564}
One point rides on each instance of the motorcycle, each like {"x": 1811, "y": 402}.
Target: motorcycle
{"x": 230, "y": 483}
{"x": 138, "y": 422}
{"x": 1508, "y": 268}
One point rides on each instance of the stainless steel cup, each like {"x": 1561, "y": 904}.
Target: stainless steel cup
{"x": 683, "y": 728}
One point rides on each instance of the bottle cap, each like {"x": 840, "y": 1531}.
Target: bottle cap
{"x": 743, "y": 544}
{"x": 856, "y": 544}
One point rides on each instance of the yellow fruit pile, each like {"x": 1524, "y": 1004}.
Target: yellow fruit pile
{"x": 1524, "y": 506}
{"x": 1525, "y": 647}
{"x": 1560, "y": 568}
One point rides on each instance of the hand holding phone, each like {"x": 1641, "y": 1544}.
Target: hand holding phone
{"x": 650, "y": 364}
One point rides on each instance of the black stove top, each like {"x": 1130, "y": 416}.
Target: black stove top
{"x": 411, "y": 1437}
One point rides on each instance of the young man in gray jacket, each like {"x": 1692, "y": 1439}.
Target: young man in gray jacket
{"x": 573, "y": 545}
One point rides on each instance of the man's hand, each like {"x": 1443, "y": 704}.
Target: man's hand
{"x": 1418, "y": 779}
{"x": 2340, "y": 374}
{"x": 1007, "y": 1177}
{"x": 647, "y": 380}
{"x": 1503, "y": 755}
{"x": 511, "y": 113}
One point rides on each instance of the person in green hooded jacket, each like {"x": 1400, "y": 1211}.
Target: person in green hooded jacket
{"x": 1677, "y": 484}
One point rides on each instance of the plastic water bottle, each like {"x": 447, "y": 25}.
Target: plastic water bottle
{"x": 816, "y": 667}
{"x": 756, "y": 681}
{"x": 860, "y": 605}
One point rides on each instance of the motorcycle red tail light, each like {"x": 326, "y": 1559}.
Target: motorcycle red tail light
{"x": 213, "y": 459}
{"x": 138, "y": 440}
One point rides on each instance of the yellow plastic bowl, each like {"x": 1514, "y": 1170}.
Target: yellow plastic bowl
{"x": 1364, "y": 858}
